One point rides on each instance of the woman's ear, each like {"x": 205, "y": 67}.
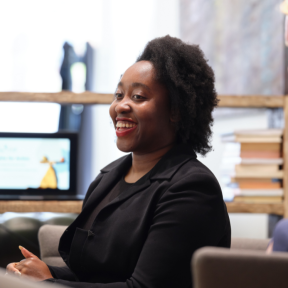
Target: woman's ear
{"x": 175, "y": 116}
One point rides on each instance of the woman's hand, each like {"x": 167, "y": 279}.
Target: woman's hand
{"x": 31, "y": 267}
{"x": 11, "y": 269}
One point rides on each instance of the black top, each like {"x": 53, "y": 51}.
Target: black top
{"x": 121, "y": 186}
{"x": 146, "y": 236}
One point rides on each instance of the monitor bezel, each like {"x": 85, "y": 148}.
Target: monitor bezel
{"x": 73, "y": 137}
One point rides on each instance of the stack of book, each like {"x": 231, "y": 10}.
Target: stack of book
{"x": 258, "y": 175}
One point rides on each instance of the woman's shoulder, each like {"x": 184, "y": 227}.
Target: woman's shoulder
{"x": 181, "y": 172}
{"x": 181, "y": 162}
{"x": 195, "y": 167}
{"x": 194, "y": 171}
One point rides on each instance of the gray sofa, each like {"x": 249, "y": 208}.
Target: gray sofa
{"x": 223, "y": 268}
{"x": 48, "y": 237}
{"x": 22, "y": 229}
{"x": 11, "y": 281}
{"x": 245, "y": 265}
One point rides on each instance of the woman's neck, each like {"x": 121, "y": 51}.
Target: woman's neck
{"x": 142, "y": 163}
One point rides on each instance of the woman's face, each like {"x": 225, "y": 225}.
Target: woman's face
{"x": 140, "y": 111}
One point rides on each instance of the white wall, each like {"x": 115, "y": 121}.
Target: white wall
{"x": 249, "y": 225}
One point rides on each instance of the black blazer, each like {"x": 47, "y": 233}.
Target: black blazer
{"x": 146, "y": 236}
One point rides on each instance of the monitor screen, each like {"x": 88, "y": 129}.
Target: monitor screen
{"x": 37, "y": 162}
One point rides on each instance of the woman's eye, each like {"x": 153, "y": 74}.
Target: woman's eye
{"x": 138, "y": 97}
{"x": 118, "y": 95}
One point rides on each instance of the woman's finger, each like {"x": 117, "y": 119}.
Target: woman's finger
{"x": 33, "y": 268}
{"x": 18, "y": 273}
{"x": 24, "y": 263}
{"x": 11, "y": 268}
{"x": 26, "y": 253}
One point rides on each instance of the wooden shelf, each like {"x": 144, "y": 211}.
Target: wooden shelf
{"x": 40, "y": 206}
{"x": 67, "y": 97}
{"x": 76, "y": 206}
{"x": 64, "y": 97}
{"x": 276, "y": 208}
{"x": 253, "y": 101}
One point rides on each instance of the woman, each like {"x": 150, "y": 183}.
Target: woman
{"x": 146, "y": 213}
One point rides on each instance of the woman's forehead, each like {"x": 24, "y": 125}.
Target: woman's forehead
{"x": 140, "y": 71}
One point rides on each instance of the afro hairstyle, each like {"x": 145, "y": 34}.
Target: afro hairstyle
{"x": 183, "y": 70}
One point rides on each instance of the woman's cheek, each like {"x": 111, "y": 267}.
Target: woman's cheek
{"x": 112, "y": 111}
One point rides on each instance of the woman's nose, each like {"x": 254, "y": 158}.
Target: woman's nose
{"x": 123, "y": 106}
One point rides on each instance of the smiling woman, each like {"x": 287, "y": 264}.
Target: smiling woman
{"x": 143, "y": 101}
{"x": 145, "y": 214}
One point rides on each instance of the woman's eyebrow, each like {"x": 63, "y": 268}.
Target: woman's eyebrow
{"x": 120, "y": 84}
{"x": 137, "y": 84}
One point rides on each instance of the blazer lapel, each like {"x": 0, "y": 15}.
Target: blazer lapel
{"x": 164, "y": 169}
{"x": 111, "y": 175}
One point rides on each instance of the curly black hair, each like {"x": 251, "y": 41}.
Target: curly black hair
{"x": 183, "y": 69}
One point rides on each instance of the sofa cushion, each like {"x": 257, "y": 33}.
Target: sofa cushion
{"x": 49, "y": 236}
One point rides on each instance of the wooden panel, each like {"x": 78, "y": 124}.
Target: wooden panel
{"x": 41, "y": 206}
{"x": 285, "y": 158}
{"x": 76, "y": 206}
{"x": 250, "y": 101}
{"x": 67, "y": 97}
{"x": 64, "y": 97}
{"x": 276, "y": 208}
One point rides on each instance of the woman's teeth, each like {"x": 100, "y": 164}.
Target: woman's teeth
{"x": 125, "y": 125}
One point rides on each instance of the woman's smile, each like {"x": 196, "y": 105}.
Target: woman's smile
{"x": 124, "y": 126}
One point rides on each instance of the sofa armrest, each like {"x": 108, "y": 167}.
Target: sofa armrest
{"x": 220, "y": 267}
{"x": 49, "y": 236}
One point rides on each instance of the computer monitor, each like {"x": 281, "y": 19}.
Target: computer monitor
{"x": 38, "y": 164}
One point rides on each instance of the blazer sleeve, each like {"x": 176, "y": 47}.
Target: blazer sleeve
{"x": 189, "y": 215}
{"x": 63, "y": 273}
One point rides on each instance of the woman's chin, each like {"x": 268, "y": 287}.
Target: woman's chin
{"x": 124, "y": 146}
